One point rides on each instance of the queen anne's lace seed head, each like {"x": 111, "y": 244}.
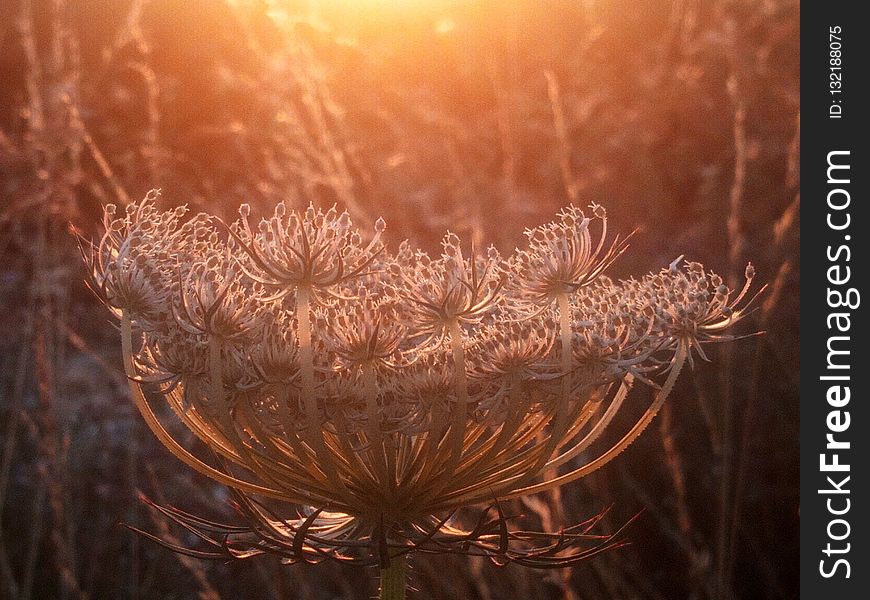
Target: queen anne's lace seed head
{"x": 511, "y": 357}
{"x": 365, "y": 331}
{"x": 427, "y": 391}
{"x": 173, "y": 356}
{"x": 312, "y": 361}
{"x": 614, "y": 331}
{"x": 561, "y": 257}
{"x": 452, "y": 289}
{"x": 212, "y": 301}
{"x": 315, "y": 250}
{"x": 128, "y": 269}
{"x": 695, "y": 306}
{"x": 274, "y": 355}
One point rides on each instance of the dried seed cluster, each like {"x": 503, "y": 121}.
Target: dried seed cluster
{"x": 392, "y": 387}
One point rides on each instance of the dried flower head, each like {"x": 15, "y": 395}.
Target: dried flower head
{"x": 367, "y": 333}
{"x": 452, "y": 290}
{"x": 386, "y": 392}
{"x": 313, "y": 250}
{"x": 562, "y": 257}
{"x": 128, "y": 268}
{"x": 213, "y": 302}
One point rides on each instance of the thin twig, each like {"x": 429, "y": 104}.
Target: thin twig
{"x": 194, "y": 567}
{"x": 564, "y": 146}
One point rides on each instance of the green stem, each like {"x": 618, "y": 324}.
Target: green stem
{"x": 394, "y": 579}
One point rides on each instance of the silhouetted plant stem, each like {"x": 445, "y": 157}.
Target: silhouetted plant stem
{"x": 461, "y": 382}
{"x": 394, "y": 579}
{"x": 314, "y": 434}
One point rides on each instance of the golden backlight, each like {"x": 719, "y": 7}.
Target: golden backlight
{"x": 434, "y": 365}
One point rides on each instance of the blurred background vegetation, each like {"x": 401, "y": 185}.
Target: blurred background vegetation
{"x": 682, "y": 117}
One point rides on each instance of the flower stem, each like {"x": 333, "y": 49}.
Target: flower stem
{"x": 166, "y": 438}
{"x": 306, "y": 359}
{"x": 384, "y": 475}
{"x": 460, "y": 414}
{"x": 394, "y": 579}
{"x": 565, "y": 338}
{"x": 676, "y": 365}
{"x": 313, "y": 431}
{"x": 560, "y": 422}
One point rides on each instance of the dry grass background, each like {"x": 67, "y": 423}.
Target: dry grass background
{"x": 681, "y": 117}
